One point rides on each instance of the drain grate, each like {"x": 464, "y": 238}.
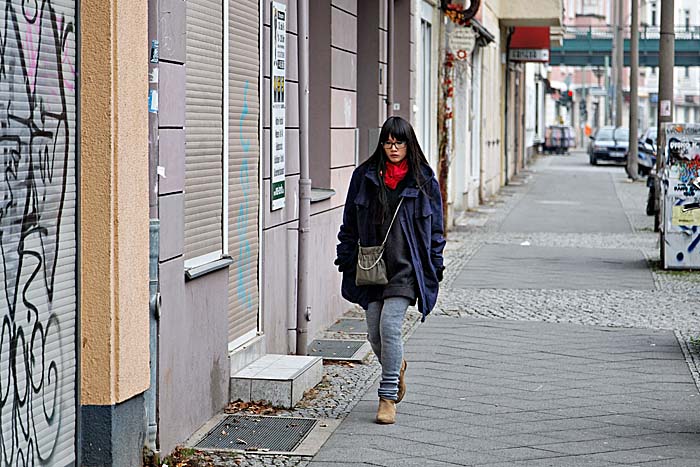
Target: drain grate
{"x": 349, "y": 326}
{"x": 247, "y": 433}
{"x": 335, "y": 349}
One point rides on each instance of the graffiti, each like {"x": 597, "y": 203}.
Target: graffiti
{"x": 36, "y": 85}
{"x": 245, "y": 143}
{"x": 244, "y": 252}
{"x": 689, "y": 171}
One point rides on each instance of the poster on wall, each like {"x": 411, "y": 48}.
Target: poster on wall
{"x": 277, "y": 101}
{"x": 681, "y": 204}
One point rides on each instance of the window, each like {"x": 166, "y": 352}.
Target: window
{"x": 425, "y": 84}
{"x": 687, "y": 20}
{"x": 204, "y": 133}
{"x": 321, "y": 91}
{"x": 653, "y": 14}
{"x": 590, "y": 7}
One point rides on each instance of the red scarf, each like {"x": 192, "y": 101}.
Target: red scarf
{"x": 395, "y": 173}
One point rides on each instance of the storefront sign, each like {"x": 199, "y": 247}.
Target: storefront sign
{"x": 277, "y": 114}
{"x": 530, "y": 44}
{"x": 529, "y": 55}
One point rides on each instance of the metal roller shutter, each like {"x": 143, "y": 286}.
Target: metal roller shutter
{"x": 204, "y": 129}
{"x": 244, "y": 157}
{"x": 38, "y": 242}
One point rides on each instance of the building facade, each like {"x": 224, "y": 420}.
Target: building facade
{"x": 152, "y": 235}
{"x": 686, "y": 80}
{"x": 492, "y": 132}
{"x": 593, "y": 99}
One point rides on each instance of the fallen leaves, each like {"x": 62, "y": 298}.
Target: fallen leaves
{"x": 344, "y": 363}
{"x": 251, "y": 408}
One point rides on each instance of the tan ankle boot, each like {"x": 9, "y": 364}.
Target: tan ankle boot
{"x": 402, "y": 382}
{"x": 386, "y": 414}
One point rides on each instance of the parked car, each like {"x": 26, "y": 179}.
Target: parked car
{"x": 558, "y": 139}
{"x": 646, "y": 150}
{"x": 609, "y": 144}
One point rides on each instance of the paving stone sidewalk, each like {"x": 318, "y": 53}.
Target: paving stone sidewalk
{"x": 566, "y": 371}
{"x": 509, "y": 393}
{"x": 554, "y": 376}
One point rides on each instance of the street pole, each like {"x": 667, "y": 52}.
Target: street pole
{"x": 304, "y": 239}
{"x": 390, "y": 59}
{"x": 632, "y": 163}
{"x": 619, "y": 62}
{"x": 608, "y": 96}
{"x": 613, "y": 63}
{"x": 665, "y": 106}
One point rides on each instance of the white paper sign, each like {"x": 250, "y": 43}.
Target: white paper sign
{"x": 278, "y": 107}
{"x": 665, "y": 108}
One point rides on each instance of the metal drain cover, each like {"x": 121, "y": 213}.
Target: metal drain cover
{"x": 250, "y": 433}
{"x": 350, "y": 326}
{"x": 336, "y": 349}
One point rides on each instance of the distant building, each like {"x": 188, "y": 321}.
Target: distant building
{"x": 592, "y": 85}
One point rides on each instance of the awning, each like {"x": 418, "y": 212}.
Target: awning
{"x": 484, "y": 37}
{"x": 529, "y": 44}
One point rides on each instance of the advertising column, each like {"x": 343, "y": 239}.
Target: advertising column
{"x": 279, "y": 54}
{"x": 681, "y": 203}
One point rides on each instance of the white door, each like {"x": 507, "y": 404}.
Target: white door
{"x": 475, "y": 170}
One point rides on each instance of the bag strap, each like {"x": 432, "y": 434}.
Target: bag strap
{"x": 386, "y": 237}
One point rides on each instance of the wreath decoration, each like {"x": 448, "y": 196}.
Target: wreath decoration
{"x": 458, "y": 14}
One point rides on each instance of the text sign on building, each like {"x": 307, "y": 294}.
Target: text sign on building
{"x": 529, "y": 55}
{"x": 461, "y": 41}
{"x": 529, "y": 44}
{"x": 277, "y": 114}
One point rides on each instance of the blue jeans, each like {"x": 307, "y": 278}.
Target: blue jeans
{"x": 384, "y": 320}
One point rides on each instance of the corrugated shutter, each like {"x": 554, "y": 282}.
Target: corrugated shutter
{"x": 204, "y": 128}
{"x": 244, "y": 157}
{"x": 38, "y": 241}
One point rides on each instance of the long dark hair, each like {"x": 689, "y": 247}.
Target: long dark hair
{"x": 401, "y": 130}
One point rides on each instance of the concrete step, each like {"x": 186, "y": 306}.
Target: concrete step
{"x": 278, "y": 379}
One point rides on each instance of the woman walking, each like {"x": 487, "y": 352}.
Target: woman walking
{"x": 393, "y": 205}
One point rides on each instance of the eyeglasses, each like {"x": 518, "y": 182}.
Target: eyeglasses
{"x": 397, "y": 144}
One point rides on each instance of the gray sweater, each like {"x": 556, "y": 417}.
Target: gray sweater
{"x": 397, "y": 254}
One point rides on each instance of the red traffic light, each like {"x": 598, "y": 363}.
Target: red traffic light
{"x": 570, "y": 93}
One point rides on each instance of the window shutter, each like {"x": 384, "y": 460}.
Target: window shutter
{"x": 204, "y": 129}
{"x": 244, "y": 157}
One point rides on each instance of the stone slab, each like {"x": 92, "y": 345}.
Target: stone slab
{"x": 558, "y": 420}
{"x": 281, "y": 380}
{"x": 533, "y": 267}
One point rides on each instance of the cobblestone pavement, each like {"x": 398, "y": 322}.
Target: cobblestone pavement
{"x": 671, "y": 304}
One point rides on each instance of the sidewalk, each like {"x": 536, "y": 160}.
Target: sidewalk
{"x": 505, "y": 393}
{"x": 553, "y": 371}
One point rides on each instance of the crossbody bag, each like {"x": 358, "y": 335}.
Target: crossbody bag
{"x": 371, "y": 269}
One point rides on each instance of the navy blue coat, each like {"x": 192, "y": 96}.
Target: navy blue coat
{"x": 421, "y": 220}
